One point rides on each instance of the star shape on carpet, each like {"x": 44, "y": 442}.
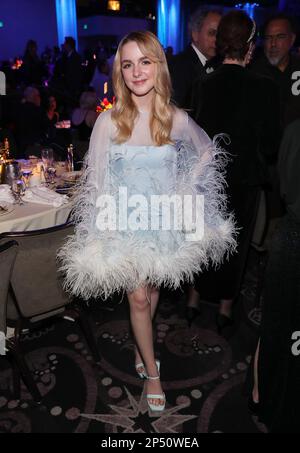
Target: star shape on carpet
{"x": 138, "y": 418}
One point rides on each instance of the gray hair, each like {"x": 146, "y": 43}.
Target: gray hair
{"x": 88, "y": 100}
{"x": 30, "y": 93}
{"x": 198, "y": 17}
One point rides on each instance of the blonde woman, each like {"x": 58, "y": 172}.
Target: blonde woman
{"x": 145, "y": 148}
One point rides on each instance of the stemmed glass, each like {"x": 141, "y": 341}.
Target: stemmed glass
{"x": 26, "y": 171}
{"x": 48, "y": 165}
{"x": 50, "y": 174}
{"x": 18, "y": 188}
{"x": 47, "y": 157}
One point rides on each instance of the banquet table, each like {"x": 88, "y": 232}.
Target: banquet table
{"x": 33, "y": 216}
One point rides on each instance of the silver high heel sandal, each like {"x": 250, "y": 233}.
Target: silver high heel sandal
{"x": 156, "y": 407}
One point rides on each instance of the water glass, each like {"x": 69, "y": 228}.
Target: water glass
{"x": 47, "y": 157}
{"x": 26, "y": 171}
{"x": 18, "y": 188}
{"x": 50, "y": 174}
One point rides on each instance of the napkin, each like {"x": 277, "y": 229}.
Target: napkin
{"x": 43, "y": 195}
{"x": 5, "y": 194}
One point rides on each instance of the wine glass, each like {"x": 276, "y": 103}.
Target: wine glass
{"x": 48, "y": 163}
{"x": 26, "y": 171}
{"x": 50, "y": 174}
{"x": 18, "y": 188}
{"x": 47, "y": 157}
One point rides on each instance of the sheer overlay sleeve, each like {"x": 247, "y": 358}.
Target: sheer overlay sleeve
{"x": 84, "y": 213}
{"x": 201, "y": 170}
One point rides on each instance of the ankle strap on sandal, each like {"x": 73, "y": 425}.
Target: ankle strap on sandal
{"x": 153, "y": 378}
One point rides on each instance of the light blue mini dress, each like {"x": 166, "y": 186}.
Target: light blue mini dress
{"x": 98, "y": 261}
{"x": 147, "y": 171}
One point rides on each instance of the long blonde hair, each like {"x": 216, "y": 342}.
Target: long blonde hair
{"x": 125, "y": 111}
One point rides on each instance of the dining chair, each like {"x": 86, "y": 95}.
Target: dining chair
{"x": 36, "y": 292}
{"x": 8, "y": 251}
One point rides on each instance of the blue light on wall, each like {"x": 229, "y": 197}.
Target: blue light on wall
{"x": 169, "y": 27}
{"x": 1, "y": 24}
{"x": 249, "y": 8}
{"x": 66, "y": 19}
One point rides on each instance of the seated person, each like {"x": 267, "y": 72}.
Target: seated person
{"x": 101, "y": 81}
{"x": 51, "y": 110}
{"x": 30, "y": 123}
{"x": 84, "y": 117}
{"x": 83, "y": 120}
{"x": 51, "y": 118}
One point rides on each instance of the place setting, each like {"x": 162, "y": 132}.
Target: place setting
{"x": 36, "y": 180}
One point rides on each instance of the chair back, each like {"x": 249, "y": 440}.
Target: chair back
{"x": 35, "y": 281}
{"x": 8, "y": 252}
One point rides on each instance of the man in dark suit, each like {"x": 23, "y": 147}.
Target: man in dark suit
{"x": 280, "y": 65}
{"x": 283, "y": 67}
{"x": 30, "y": 124}
{"x": 189, "y": 65}
{"x": 185, "y": 68}
{"x": 72, "y": 70}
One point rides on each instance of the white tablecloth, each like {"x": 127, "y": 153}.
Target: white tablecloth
{"x": 33, "y": 216}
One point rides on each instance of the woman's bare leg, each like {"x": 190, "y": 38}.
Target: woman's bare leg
{"x": 153, "y": 295}
{"x": 141, "y": 322}
{"x": 225, "y": 307}
{"x": 193, "y": 298}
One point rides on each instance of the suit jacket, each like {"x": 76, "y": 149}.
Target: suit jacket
{"x": 289, "y": 169}
{"x": 245, "y": 106}
{"x": 288, "y": 82}
{"x": 30, "y": 127}
{"x": 73, "y": 75}
{"x": 185, "y": 68}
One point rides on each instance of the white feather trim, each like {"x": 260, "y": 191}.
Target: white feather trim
{"x": 97, "y": 264}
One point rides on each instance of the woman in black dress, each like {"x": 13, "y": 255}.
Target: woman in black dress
{"x": 245, "y": 107}
{"x": 276, "y": 391}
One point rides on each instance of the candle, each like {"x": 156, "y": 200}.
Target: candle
{"x": 35, "y": 180}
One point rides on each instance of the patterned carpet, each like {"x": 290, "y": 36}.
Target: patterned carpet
{"x": 202, "y": 373}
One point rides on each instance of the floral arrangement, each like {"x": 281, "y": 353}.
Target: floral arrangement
{"x": 17, "y": 64}
{"x": 4, "y": 151}
{"x": 105, "y": 104}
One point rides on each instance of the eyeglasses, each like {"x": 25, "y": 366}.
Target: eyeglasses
{"x": 279, "y": 37}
